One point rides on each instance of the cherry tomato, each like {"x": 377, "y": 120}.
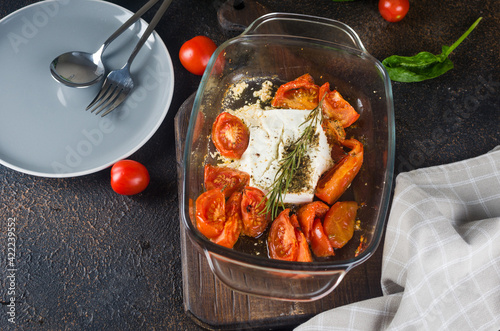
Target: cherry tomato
{"x": 252, "y": 206}
{"x": 335, "y": 107}
{"x": 226, "y": 179}
{"x": 339, "y": 222}
{"x": 335, "y": 181}
{"x": 300, "y": 93}
{"x": 308, "y": 213}
{"x": 129, "y": 177}
{"x": 393, "y": 10}
{"x": 230, "y": 135}
{"x": 210, "y": 213}
{"x": 282, "y": 241}
{"x": 233, "y": 224}
{"x": 320, "y": 244}
{"x": 195, "y": 54}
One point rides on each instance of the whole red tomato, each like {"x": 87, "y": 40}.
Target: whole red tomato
{"x": 129, "y": 177}
{"x": 393, "y": 10}
{"x": 195, "y": 54}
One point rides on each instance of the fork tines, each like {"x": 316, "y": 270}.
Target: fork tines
{"x": 107, "y": 99}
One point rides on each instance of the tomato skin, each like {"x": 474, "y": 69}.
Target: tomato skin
{"x": 320, "y": 244}
{"x": 335, "y": 107}
{"x": 294, "y": 221}
{"x": 304, "y": 253}
{"x": 233, "y": 223}
{"x": 339, "y": 222}
{"x": 334, "y": 131}
{"x": 230, "y": 135}
{"x": 286, "y": 241}
{"x": 335, "y": 181}
{"x": 282, "y": 241}
{"x": 195, "y": 54}
{"x": 252, "y": 205}
{"x": 300, "y": 93}
{"x": 393, "y": 10}
{"x": 129, "y": 177}
{"x": 226, "y": 179}
{"x": 308, "y": 213}
{"x": 210, "y": 213}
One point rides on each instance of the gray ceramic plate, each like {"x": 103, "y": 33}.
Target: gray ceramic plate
{"x": 44, "y": 128}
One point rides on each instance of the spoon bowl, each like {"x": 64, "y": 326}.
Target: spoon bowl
{"x": 82, "y": 69}
{"x": 78, "y": 69}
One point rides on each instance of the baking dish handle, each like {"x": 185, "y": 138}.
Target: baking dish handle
{"x": 306, "y": 26}
{"x": 274, "y": 283}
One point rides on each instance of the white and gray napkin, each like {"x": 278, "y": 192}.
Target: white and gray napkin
{"x": 441, "y": 259}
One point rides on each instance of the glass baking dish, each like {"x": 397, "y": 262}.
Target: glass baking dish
{"x": 285, "y": 46}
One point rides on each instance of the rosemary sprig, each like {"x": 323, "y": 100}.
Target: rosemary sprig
{"x": 289, "y": 164}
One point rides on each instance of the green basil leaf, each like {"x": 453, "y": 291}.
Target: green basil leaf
{"x": 416, "y": 68}
{"x": 424, "y": 65}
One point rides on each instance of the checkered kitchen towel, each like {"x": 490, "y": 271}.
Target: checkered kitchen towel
{"x": 441, "y": 262}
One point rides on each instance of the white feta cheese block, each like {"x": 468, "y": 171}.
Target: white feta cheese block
{"x": 271, "y": 131}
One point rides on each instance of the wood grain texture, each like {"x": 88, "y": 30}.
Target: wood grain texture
{"x": 228, "y": 309}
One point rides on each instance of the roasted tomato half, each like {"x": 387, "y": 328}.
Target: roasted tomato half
{"x": 282, "y": 241}
{"x": 335, "y": 107}
{"x": 335, "y": 181}
{"x": 254, "y": 218}
{"x": 339, "y": 222}
{"x": 210, "y": 213}
{"x": 230, "y": 135}
{"x": 226, "y": 179}
{"x": 233, "y": 224}
{"x": 300, "y": 93}
{"x": 304, "y": 253}
{"x": 308, "y": 213}
{"x": 334, "y": 131}
{"x": 320, "y": 244}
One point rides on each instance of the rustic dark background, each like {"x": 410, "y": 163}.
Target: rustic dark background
{"x": 89, "y": 259}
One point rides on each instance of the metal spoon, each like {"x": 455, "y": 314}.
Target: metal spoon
{"x": 82, "y": 69}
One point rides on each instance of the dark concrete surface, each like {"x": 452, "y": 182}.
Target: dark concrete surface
{"x": 89, "y": 259}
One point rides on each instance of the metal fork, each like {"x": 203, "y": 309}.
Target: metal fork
{"x": 119, "y": 83}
